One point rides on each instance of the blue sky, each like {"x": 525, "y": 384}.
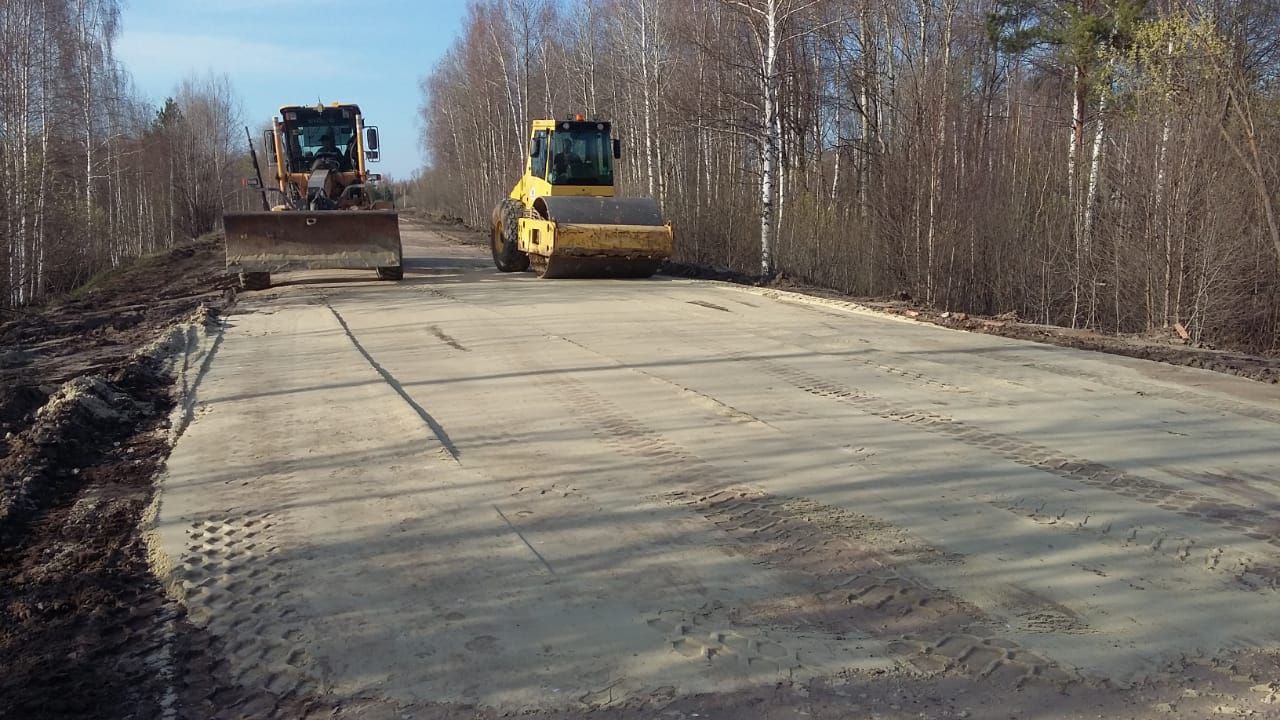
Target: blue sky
{"x": 280, "y": 52}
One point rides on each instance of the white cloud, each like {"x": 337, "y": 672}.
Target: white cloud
{"x": 158, "y": 56}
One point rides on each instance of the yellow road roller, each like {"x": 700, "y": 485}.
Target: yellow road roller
{"x": 562, "y": 219}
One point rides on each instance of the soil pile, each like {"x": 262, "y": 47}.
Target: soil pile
{"x": 84, "y": 409}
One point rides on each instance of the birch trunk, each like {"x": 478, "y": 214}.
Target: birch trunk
{"x": 1092, "y": 199}
{"x": 769, "y": 76}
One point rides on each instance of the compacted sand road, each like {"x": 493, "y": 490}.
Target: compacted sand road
{"x": 474, "y": 493}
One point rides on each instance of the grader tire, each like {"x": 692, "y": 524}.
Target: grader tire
{"x": 504, "y": 239}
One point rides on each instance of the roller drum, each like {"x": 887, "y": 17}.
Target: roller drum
{"x": 600, "y": 211}
{"x": 594, "y": 237}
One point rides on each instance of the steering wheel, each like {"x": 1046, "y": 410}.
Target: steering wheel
{"x": 326, "y": 161}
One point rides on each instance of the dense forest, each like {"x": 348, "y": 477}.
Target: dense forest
{"x": 90, "y": 173}
{"x": 1108, "y": 164}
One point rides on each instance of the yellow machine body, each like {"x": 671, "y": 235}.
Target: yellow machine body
{"x": 545, "y": 237}
{"x": 567, "y": 222}
{"x": 322, "y": 215}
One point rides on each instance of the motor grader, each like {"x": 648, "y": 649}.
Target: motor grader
{"x": 321, "y": 214}
{"x": 562, "y": 218}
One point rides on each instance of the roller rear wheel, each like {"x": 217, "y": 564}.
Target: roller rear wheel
{"x": 504, "y": 240}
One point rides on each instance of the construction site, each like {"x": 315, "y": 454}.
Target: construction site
{"x": 644, "y": 415}
{"x": 478, "y": 494}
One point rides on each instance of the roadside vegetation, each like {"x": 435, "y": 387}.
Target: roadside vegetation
{"x": 90, "y": 173}
{"x": 1102, "y": 164}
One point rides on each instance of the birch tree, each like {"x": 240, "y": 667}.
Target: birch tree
{"x": 81, "y": 160}
{"x": 1068, "y": 160}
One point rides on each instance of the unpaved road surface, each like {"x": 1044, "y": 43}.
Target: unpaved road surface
{"x": 471, "y": 494}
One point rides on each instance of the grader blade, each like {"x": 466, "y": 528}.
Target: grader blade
{"x": 270, "y": 242}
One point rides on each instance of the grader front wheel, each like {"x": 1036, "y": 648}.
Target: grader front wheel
{"x": 255, "y": 280}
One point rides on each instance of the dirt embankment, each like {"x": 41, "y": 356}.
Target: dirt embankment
{"x": 85, "y": 401}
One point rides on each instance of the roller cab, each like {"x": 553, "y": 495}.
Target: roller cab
{"x": 562, "y": 220}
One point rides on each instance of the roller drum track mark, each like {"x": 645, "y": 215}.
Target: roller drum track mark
{"x": 1160, "y": 391}
{"x": 855, "y": 585}
{"x": 1252, "y": 523}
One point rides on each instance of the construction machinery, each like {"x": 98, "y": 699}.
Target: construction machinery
{"x": 562, "y": 219}
{"x": 321, "y": 214}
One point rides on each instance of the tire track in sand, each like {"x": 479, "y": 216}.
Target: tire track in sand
{"x": 857, "y": 584}
{"x": 1189, "y": 397}
{"x": 230, "y": 580}
{"x": 1249, "y": 522}
{"x": 1068, "y": 514}
{"x": 849, "y": 584}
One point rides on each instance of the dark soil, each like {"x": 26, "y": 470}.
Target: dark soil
{"x": 95, "y": 329}
{"x": 83, "y": 414}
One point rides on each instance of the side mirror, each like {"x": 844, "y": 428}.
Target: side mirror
{"x": 371, "y": 138}
{"x": 252, "y": 183}
{"x": 617, "y": 149}
{"x": 269, "y": 146}
{"x": 375, "y": 178}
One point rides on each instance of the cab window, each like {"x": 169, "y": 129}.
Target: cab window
{"x": 312, "y": 134}
{"x": 538, "y": 162}
{"x": 581, "y": 154}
